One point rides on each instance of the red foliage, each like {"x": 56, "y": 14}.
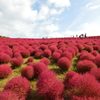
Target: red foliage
{"x": 56, "y": 55}
{"x": 84, "y": 98}
{"x": 87, "y": 56}
{"x": 80, "y": 46}
{"x": 85, "y": 65}
{"x": 38, "y": 55}
{"x": 97, "y": 60}
{"x": 39, "y": 67}
{"x": 43, "y": 46}
{"x": 96, "y": 73}
{"x": 9, "y": 52}
{"x": 9, "y": 95}
{"x": 49, "y": 87}
{"x": 83, "y": 85}
{"x": 53, "y": 48}
{"x": 64, "y": 63}
{"x": 45, "y": 61}
{"x": 95, "y": 53}
{"x": 68, "y": 76}
{"x": 88, "y": 48}
{"x": 47, "y": 53}
{"x": 28, "y": 72}
{"x": 25, "y": 53}
{"x": 96, "y": 47}
{"x": 15, "y": 62}
{"x": 30, "y": 59}
{"x": 19, "y": 85}
{"x": 67, "y": 54}
{"x": 17, "y": 54}
{"x": 4, "y": 58}
{"x": 5, "y": 70}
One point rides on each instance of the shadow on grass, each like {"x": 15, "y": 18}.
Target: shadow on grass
{"x": 34, "y": 95}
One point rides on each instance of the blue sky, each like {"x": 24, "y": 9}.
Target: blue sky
{"x": 49, "y": 18}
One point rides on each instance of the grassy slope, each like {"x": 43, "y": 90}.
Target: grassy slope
{"x": 53, "y": 66}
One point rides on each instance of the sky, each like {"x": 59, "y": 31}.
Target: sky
{"x": 49, "y": 18}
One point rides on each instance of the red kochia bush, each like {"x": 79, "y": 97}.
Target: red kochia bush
{"x": 85, "y": 65}
{"x": 64, "y": 63}
{"x": 8, "y": 95}
{"x": 68, "y": 76}
{"x": 56, "y": 55}
{"x": 53, "y": 48}
{"x": 28, "y": 72}
{"x": 97, "y": 60}
{"x": 96, "y": 73}
{"x": 30, "y": 59}
{"x": 15, "y": 62}
{"x": 38, "y": 55}
{"x": 49, "y": 87}
{"x": 25, "y": 53}
{"x": 9, "y": 52}
{"x": 87, "y": 56}
{"x": 47, "y": 53}
{"x": 39, "y": 67}
{"x": 84, "y": 98}
{"x": 95, "y": 53}
{"x": 5, "y": 70}
{"x": 83, "y": 85}
{"x": 45, "y": 61}
{"x": 4, "y": 58}
{"x": 88, "y": 48}
{"x": 67, "y": 54}
{"x": 19, "y": 85}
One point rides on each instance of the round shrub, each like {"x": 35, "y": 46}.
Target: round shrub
{"x": 19, "y": 85}
{"x": 88, "y": 48}
{"x": 95, "y": 53}
{"x": 4, "y": 58}
{"x": 56, "y": 56}
{"x": 85, "y": 65}
{"x": 5, "y": 70}
{"x": 25, "y": 53}
{"x": 68, "y": 76}
{"x": 38, "y": 55}
{"x": 9, "y": 52}
{"x": 49, "y": 87}
{"x": 27, "y": 72}
{"x": 17, "y": 54}
{"x": 47, "y": 53}
{"x": 67, "y": 54}
{"x": 96, "y": 47}
{"x": 72, "y": 51}
{"x": 96, "y": 73}
{"x": 64, "y": 63}
{"x": 84, "y": 98}
{"x": 29, "y": 64}
{"x": 97, "y": 60}
{"x": 45, "y": 61}
{"x": 53, "y": 48}
{"x": 15, "y": 62}
{"x": 87, "y": 56}
{"x": 30, "y": 59}
{"x": 83, "y": 85}
{"x": 9, "y": 95}
{"x": 39, "y": 67}
{"x": 43, "y": 46}
{"x": 80, "y": 46}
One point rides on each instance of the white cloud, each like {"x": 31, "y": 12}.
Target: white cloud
{"x": 19, "y": 19}
{"x": 93, "y": 5}
{"x": 59, "y": 3}
{"x": 91, "y": 29}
